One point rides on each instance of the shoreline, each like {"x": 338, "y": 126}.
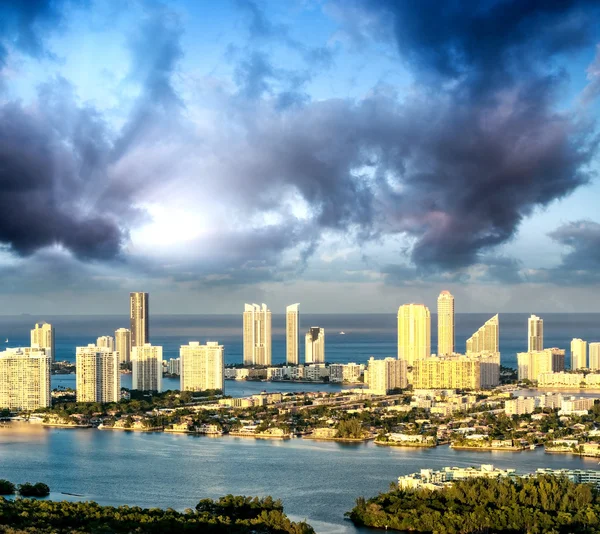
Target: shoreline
{"x": 407, "y": 445}
{"x": 485, "y": 449}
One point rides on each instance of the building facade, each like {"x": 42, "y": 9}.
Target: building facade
{"x": 594, "y": 356}
{"x": 383, "y": 376}
{"x": 201, "y": 366}
{"x": 535, "y": 334}
{"x": 98, "y": 375}
{"x": 257, "y": 334}
{"x": 25, "y": 379}
{"x": 579, "y": 354}
{"x": 445, "y": 317}
{"x": 42, "y": 337}
{"x": 146, "y": 367}
{"x": 414, "y": 333}
{"x": 123, "y": 344}
{"x": 486, "y": 339}
{"x": 106, "y": 342}
{"x": 139, "y": 308}
{"x": 447, "y": 372}
{"x": 532, "y": 364}
{"x": 292, "y": 334}
{"x": 314, "y": 349}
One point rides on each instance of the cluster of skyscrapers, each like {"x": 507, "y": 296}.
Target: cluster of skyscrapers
{"x": 257, "y": 337}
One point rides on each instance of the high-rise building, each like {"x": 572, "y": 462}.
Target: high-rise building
{"x": 594, "y": 356}
{"x": 535, "y": 333}
{"x": 98, "y": 376}
{"x": 447, "y": 372}
{"x": 383, "y": 376}
{"x": 292, "y": 325}
{"x": 578, "y": 354}
{"x": 25, "y": 379}
{"x": 106, "y": 342}
{"x": 445, "y": 317}
{"x": 147, "y": 368}
{"x": 123, "y": 344}
{"x": 257, "y": 335}
{"x": 139, "y": 310}
{"x": 42, "y": 337}
{"x": 201, "y": 366}
{"x": 314, "y": 350}
{"x": 487, "y": 338}
{"x": 414, "y": 333}
{"x": 534, "y": 363}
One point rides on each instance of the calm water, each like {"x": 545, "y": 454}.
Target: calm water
{"x": 317, "y": 481}
{"x": 365, "y": 335}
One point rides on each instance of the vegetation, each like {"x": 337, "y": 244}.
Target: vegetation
{"x": 349, "y": 429}
{"x": 236, "y": 515}
{"x": 34, "y": 490}
{"x": 536, "y": 505}
{"x": 6, "y": 487}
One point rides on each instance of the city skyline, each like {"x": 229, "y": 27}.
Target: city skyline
{"x": 325, "y": 135}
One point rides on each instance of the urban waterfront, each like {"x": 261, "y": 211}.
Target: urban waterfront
{"x": 317, "y": 481}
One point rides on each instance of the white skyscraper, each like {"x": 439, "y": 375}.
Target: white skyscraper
{"x": 201, "y": 366}
{"x": 383, "y": 376}
{"x": 445, "y": 317}
{"x": 535, "y": 333}
{"x": 123, "y": 344}
{"x": 139, "y": 310}
{"x": 594, "y": 356}
{"x": 292, "y": 334}
{"x": 486, "y": 339}
{"x": 146, "y": 366}
{"x": 315, "y": 345}
{"x": 414, "y": 333}
{"x": 42, "y": 337}
{"x": 25, "y": 379}
{"x": 578, "y": 354}
{"x": 98, "y": 375}
{"x": 106, "y": 342}
{"x": 257, "y": 335}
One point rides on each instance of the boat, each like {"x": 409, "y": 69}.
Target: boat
{"x": 342, "y": 333}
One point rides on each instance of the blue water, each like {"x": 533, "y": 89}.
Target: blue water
{"x": 366, "y": 335}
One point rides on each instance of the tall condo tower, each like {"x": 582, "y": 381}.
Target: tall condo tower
{"x": 535, "y": 334}
{"x": 257, "y": 334}
{"x": 106, "y": 342}
{"x": 487, "y": 338}
{"x": 201, "y": 366}
{"x": 139, "y": 308}
{"x": 147, "y": 368}
{"x": 594, "y": 364}
{"x": 578, "y": 354}
{"x": 292, "y": 324}
{"x": 123, "y": 344}
{"x": 25, "y": 379}
{"x": 414, "y": 333}
{"x": 445, "y": 317}
{"x": 315, "y": 345}
{"x": 98, "y": 377}
{"x": 42, "y": 337}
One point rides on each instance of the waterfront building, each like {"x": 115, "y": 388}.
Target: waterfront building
{"x": 315, "y": 371}
{"x": 576, "y": 406}
{"x": 486, "y": 339}
{"x": 123, "y": 344}
{"x": 445, "y": 317}
{"x": 535, "y": 334}
{"x": 146, "y": 366}
{"x": 578, "y": 354}
{"x": 292, "y": 334}
{"x": 414, "y": 333}
{"x": 561, "y": 380}
{"x": 98, "y": 376}
{"x": 314, "y": 349}
{"x": 383, "y": 376}
{"x": 447, "y": 372}
{"x": 174, "y": 366}
{"x": 201, "y": 366}
{"x": 25, "y": 379}
{"x": 520, "y": 405}
{"x": 345, "y": 372}
{"x": 430, "y": 479}
{"x": 532, "y": 364}
{"x": 257, "y": 334}
{"x": 578, "y": 476}
{"x": 106, "y": 342}
{"x": 594, "y": 363}
{"x": 139, "y": 306}
{"x": 42, "y": 337}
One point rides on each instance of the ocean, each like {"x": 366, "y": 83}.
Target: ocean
{"x": 365, "y": 335}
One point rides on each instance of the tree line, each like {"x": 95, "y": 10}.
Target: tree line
{"x": 534, "y": 505}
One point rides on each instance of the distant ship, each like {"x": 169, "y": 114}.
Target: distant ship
{"x": 341, "y": 334}
{"x": 6, "y": 340}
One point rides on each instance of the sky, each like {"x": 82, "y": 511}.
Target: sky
{"x": 350, "y": 155}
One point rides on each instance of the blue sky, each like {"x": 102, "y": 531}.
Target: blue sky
{"x": 349, "y": 155}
